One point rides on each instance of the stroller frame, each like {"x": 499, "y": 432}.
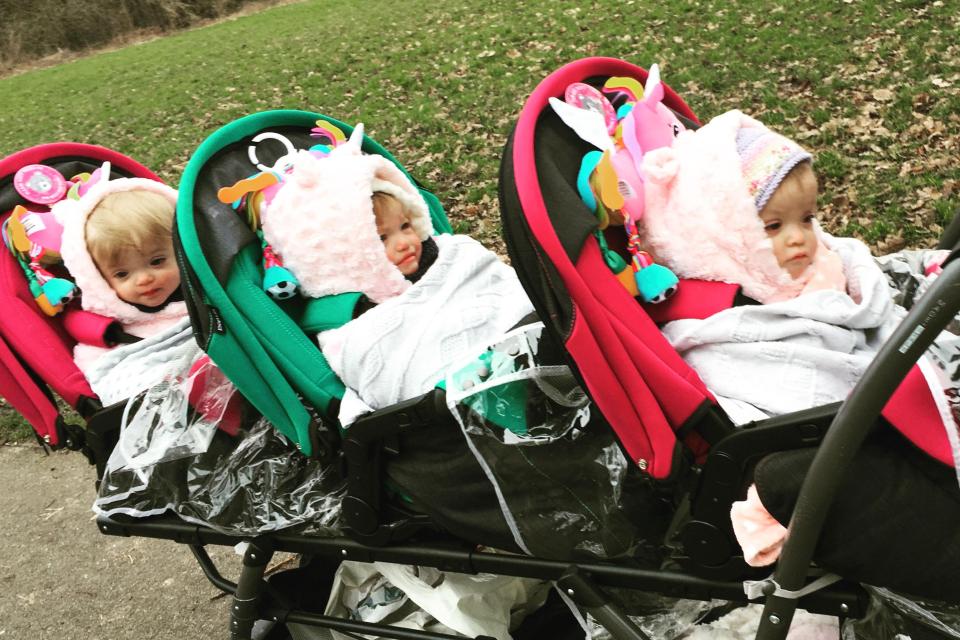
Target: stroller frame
{"x": 584, "y": 583}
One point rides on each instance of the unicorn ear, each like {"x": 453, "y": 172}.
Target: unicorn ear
{"x": 653, "y": 90}
{"x": 356, "y": 138}
{"x": 100, "y": 175}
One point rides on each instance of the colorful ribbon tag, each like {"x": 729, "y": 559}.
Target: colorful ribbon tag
{"x": 629, "y": 88}
{"x": 40, "y": 184}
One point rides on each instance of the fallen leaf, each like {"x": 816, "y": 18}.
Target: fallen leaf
{"x": 883, "y": 95}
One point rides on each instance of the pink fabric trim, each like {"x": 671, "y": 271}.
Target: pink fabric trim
{"x": 760, "y": 535}
{"x": 913, "y": 412}
{"x": 694, "y": 300}
{"x": 86, "y": 327}
{"x": 205, "y": 376}
{"x": 613, "y": 342}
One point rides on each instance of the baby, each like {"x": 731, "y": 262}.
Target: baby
{"x": 352, "y": 222}
{"x": 117, "y": 245}
{"x": 129, "y": 237}
{"x": 401, "y": 243}
{"x": 788, "y": 218}
{"x": 824, "y": 305}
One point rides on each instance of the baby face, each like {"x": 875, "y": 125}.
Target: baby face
{"x": 400, "y": 241}
{"x": 146, "y": 276}
{"x": 788, "y": 219}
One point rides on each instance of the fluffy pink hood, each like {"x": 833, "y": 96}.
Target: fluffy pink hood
{"x": 321, "y": 222}
{"x": 701, "y": 221}
{"x": 96, "y": 295}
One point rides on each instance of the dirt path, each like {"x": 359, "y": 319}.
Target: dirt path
{"x": 61, "y": 579}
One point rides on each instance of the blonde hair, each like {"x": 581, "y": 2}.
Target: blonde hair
{"x": 127, "y": 220}
{"x": 380, "y": 200}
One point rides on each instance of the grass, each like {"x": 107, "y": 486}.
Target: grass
{"x": 873, "y": 89}
{"x": 12, "y": 427}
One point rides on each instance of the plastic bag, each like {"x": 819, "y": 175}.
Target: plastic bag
{"x": 891, "y": 616}
{"x": 428, "y": 599}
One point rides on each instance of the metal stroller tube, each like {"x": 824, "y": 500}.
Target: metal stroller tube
{"x": 929, "y": 316}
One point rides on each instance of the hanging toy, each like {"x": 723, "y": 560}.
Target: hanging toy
{"x": 34, "y": 240}
{"x": 33, "y": 237}
{"x": 248, "y": 196}
{"x": 610, "y": 181}
{"x": 40, "y": 184}
{"x": 624, "y": 87}
{"x": 655, "y": 282}
{"x": 589, "y": 98}
{"x": 278, "y": 282}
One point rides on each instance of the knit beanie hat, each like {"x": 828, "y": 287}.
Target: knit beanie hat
{"x": 322, "y": 224}
{"x": 766, "y": 158}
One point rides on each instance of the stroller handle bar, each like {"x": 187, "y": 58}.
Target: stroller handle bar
{"x": 929, "y": 316}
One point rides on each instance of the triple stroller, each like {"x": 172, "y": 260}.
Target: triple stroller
{"x": 635, "y": 498}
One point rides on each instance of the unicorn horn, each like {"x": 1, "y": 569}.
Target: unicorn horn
{"x": 653, "y": 78}
{"x": 356, "y": 138}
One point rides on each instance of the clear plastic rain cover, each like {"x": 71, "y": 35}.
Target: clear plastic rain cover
{"x": 559, "y": 474}
{"x": 176, "y": 454}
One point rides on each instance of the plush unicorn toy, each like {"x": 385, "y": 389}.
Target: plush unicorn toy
{"x": 250, "y": 195}
{"x": 34, "y": 234}
{"x": 610, "y": 182}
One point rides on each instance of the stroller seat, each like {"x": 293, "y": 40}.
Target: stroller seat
{"x": 36, "y": 350}
{"x": 551, "y": 237}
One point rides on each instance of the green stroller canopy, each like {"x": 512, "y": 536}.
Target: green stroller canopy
{"x": 264, "y": 346}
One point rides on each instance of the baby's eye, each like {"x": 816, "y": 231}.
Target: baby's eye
{"x": 406, "y": 226}
{"x": 159, "y": 260}
{"x": 770, "y": 227}
{"x": 383, "y": 237}
{"x": 809, "y": 218}
{"x": 120, "y": 275}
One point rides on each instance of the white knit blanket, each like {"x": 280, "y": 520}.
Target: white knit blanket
{"x": 400, "y": 348}
{"x": 786, "y": 356}
{"x": 125, "y": 371}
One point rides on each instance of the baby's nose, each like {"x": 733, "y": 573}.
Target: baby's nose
{"x": 795, "y": 235}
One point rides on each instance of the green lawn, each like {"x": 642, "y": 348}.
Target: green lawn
{"x": 872, "y": 88}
